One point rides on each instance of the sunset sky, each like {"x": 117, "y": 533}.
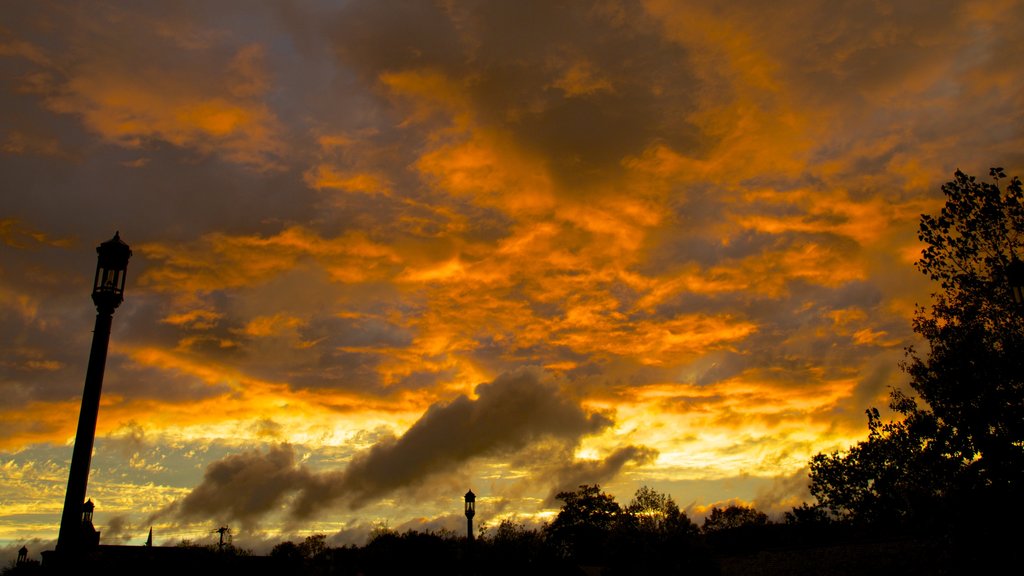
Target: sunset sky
{"x": 385, "y": 252}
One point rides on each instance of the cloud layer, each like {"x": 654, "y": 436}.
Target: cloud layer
{"x": 695, "y": 222}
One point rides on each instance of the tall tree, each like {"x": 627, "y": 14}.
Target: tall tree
{"x": 653, "y": 512}
{"x": 584, "y": 523}
{"x": 972, "y": 377}
{"x": 653, "y": 536}
{"x": 902, "y": 470}
{"x": 968, "y": 437}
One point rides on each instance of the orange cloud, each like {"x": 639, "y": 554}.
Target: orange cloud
{"x": 129, "y": 105}
{"x": 490, "y": 171}
{"x": 326, "y": 177}
{"x": 431, "y": 93}
{"x": 345, "y": 163}
{"x": 672, "y": 341}
{"x": 198, "y": 319}
{"x": 221, "y": 261}
{"x": 16, "y": 234}
{"x": 270, "y": 325}
{"x": 37, "y": 422}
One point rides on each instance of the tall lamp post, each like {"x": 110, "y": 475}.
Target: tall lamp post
{"x": 470, "y": 512}
{"x": 107, "y": 294}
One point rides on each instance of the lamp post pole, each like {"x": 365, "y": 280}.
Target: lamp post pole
{"x": 470, "y": 512}
{"x": 107, "y": 294}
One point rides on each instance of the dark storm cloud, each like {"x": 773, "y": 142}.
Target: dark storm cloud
{"x": 514, "y": 410}
{"x": 118, "y": 530}
{"x": 510, "y": 413}
{"x": 580, "y": 472}
{"x": 245, "y": 486}
{"x": 783, "y": 493}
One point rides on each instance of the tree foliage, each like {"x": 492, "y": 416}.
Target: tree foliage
{"x": 973, "y": 375}
{"x": 653, "y": 512}
{"x": 653, "y": 536}
{"x": 287, "y": 552}
{"x": 733, "y": 516}
{"x": 901, "y": 470}
{"x": 967, "y": 438}
{"x": 512, "y": 548}
{"x": 584, "y": 523}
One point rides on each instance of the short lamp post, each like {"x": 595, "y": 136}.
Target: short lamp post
{"x": 1015, "y": 278}
{"x": 107, "y": 294}
{"x": 470, "y": 512}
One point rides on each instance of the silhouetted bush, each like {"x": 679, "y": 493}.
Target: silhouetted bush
{"x": 412, "y": 552}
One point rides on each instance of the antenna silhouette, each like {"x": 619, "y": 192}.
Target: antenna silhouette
{"x": 222, "y": 531}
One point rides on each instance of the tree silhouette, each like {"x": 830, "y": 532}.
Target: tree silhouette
{"x": 655, "y": 513}
{"x": 512, "y": 548}
{"x": 900, "y": 474}
{"x": 973, "y": 375}
{"x": 733, "y": 516}
{"x": 653, "y": 536}
{"x": 956, "y": 458}
{"x": 584, "y": 524}
{"x": 289, "y": 554}
{"x": 411, "y": 552}
{"x": 314, "y": 546}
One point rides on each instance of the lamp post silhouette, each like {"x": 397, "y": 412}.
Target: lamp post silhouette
{"x": 107, "y": 294}
{"x": 470, "y": 512}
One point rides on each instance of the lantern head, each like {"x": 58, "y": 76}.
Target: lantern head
{"x": 111, "y": 271}
{"x": 470, "y": 504}
{"x": 87, "y": 510}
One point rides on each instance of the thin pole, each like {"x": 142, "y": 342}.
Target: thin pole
{"x": 70, "y": 537}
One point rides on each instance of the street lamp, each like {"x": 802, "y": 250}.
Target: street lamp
{"x": 111, "y": 272}
{"x": 470, "y": 512}
{"x": 107, "y": 294}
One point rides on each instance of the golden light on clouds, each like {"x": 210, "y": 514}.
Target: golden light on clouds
{"x": 392, "y": 251}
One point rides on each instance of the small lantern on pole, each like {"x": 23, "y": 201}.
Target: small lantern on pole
{"x": 111, "y": 272}
{"x": 87, "y": 511}
{"x": 470, "y": 512}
